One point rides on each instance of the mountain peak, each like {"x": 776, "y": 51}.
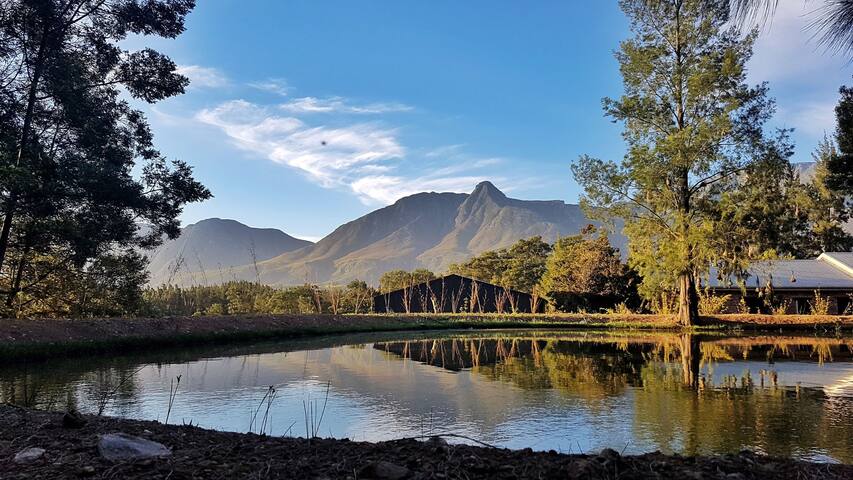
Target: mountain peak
{"x": 487, "y": 189}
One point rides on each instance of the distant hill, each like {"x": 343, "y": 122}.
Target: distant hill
{"x": 209, "y": 249}
{"x": 429, "y": 230}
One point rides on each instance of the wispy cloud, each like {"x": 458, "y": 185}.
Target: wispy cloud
{"x": 813, "y": 118}
{"x": 802, "y": 76}
{"x": 365, "y": 158}
{"x": 328, "y": 155}
{"x": 277, "y": 86}
{"x": 387, "y": 189}
{"x": 445, "y": 151}
{"x": 203, "y": 77}
{"x": 310, "y": 238}
{"x": 339, "y": 105}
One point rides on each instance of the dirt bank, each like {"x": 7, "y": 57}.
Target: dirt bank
{"x": 33, "y": 338}
{"x": 199, "y": 453}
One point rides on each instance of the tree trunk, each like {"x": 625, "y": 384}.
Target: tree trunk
{"x": 19, "y": 273}
{"x": 12, "y": 201}
{"x": 688, "y": 302}
{"x": 690, "y": 359}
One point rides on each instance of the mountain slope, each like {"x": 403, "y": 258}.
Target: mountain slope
{"x": 426, "y": 230}
{"x": 213, "y": 247}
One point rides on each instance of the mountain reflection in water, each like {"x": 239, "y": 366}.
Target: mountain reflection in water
{"x": 569, "y": 391}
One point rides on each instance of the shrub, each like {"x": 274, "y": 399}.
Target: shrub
{"x": 820, "y": 304}
{"x": 780, "y": 308}
{"x": 710, "y": 304}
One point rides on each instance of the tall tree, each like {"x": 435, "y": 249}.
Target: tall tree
{"x": 839, "y": 166}
{"x": 78, "y": 169}
{"x": 399, "y": 279}
{"x": 691, "y": 125}
{"x": 519, "y": 267}
{"x": 585, "y": 271}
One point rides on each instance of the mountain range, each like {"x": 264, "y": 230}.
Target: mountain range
{"x": 213, "y": 247}
{"x": 426, "y": 230}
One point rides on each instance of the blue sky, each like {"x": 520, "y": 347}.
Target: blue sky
{"x": 306, "y": 114}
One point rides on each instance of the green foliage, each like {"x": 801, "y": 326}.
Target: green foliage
{"x": 691, "y": 125}
{"x": 712, "y": 304}
{"x": 242, "y": 297}
{"x": 398, "y": 279}
{"x": 827, "y": 207}
{"x": 585, "y": 272}
{"x": 519, "y": 267}
{"x": 79, "y": 171}
{"x": 840, "y": 166}
{"x": 819, "y": 304}
{"x": 108, "y": 286}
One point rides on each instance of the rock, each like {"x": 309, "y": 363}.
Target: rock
{"x": 609, "y": 454}
{"x": 121, "y": 446}
{"x": 29, "y": 455}
{"x": 86, "y": 471}
{"x": 384, "y": 471}
{"x": 73, "y": 420}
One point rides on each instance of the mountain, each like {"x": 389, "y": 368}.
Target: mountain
{"x": 425, "y": 230}
{"x": 213, "y": 247}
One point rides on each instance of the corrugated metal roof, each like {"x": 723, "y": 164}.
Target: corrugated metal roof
{"x": 830, "y": 270}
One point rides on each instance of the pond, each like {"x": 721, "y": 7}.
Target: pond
{"x": 566, "y": 391}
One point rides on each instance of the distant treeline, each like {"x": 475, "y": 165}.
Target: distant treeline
{"x": 243, "y": 297}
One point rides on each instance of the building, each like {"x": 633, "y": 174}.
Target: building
{"x": 794, "y": 282}
{"x": 456, "y": 294}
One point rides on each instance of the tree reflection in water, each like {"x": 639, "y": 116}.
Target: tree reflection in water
{"x": 784, "y": 395}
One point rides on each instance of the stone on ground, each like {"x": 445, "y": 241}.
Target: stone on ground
{"x": 121, "y": 446}
{"x": 384, "y": 471}
{"x": 29, "y": 455}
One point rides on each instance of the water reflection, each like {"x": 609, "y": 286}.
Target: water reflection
{"x": 690, "y": 394}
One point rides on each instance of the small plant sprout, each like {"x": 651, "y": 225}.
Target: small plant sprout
{"x": 314, "y": 414}
{"x": 266, "y": 404}
{"x": 173, "y": 392}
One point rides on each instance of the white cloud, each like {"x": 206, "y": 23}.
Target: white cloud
{"x": 813, "y": 118}
{"x": 445, "y": 151}
{"x": 328, "y": 155}
{"x": 785, "y": 50}
{"x": 803, "y": 77}
{"x": 388, "y": 189}
{"x": 363, "y": 158}
{"x": 310, "y": 238}
{"x": 339, "y": 105}
{"x": 277, "y": 86}
{"x": 203, "y": 77}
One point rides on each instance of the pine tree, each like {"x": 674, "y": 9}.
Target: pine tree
{"x": 692, "y": 125}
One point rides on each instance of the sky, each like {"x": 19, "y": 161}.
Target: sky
{"x": 305, "y": 114}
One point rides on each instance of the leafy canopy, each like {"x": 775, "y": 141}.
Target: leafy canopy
{"x": 691, "y": 125}
{"x": 79, "y": 172}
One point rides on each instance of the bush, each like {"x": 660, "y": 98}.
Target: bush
{"x": 820, "y": 304}
{"x": 710, "y": 304}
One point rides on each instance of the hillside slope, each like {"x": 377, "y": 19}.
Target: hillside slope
{"x": 425, "y": 230}
{"x": 211, "y": 248}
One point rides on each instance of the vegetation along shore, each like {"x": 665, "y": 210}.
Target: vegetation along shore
{"x": 33, "y": 338}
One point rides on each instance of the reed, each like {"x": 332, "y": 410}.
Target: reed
{"x": 314, "y": 414}
{"x": 266, "y": 404}
{"x": 173, "y": 392}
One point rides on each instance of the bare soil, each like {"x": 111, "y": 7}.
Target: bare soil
{"x": 205, "y": 454}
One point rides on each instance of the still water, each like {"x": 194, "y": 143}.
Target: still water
{"x": 566, "y": 391}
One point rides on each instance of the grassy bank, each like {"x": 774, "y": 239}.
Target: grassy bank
{"x": 70, "y": 451}
{"x": 36, "y": 338}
